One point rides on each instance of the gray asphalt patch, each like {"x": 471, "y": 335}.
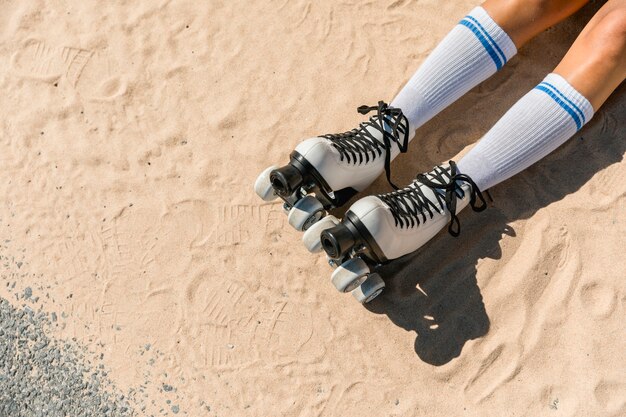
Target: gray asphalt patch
{"x": 44, "y": 377}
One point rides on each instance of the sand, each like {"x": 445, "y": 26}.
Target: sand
{"x": 132, "y": 133}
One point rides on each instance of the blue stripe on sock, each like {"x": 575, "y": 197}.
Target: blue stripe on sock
{"x": 580, "y": 112}
{"x": 561, "y": 103}
{"x": 483, "y": 40}
{"x": 495, "y": 44}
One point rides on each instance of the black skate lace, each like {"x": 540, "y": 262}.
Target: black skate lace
{"x": 410, "y": 207}
{"x": 360, "y": 145}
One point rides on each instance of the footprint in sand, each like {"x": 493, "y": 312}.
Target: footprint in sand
{"x": 290, "y": 329}
{"x": 497, "y": 368}
{"x": 235, "y": 329}
{"x": 357, "y": 400}
{"x": 598, "y": 299}
{"x": 144, "y": 252}
{"x": 223, "y": 322}
{"x": 153, "y": 243}
{"x": 99, "y": 79}
{"x": 239, "y": 223}
{"x": 130, "y": 240}
{"x": 37, "y": 60}
{"x": 78, "y": 253}
{"x": 612, "y": 396}
{"x": 91, "y": 73}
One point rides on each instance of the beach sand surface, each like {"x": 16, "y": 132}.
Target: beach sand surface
{"x": 132, "y": 134}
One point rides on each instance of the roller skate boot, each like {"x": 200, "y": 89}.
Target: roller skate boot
{"x": 325, "y": 172}
{"x": 378, "y": 229}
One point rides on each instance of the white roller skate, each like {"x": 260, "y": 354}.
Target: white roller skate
{"x": 325, "y": 172}
{"x": 377, "y": 229}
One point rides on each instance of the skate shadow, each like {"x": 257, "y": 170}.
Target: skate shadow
{"x": 434, "y": 291}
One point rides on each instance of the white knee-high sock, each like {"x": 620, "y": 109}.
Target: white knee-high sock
{"x": 536, "y": 125}
{"x": 473, "y": 51}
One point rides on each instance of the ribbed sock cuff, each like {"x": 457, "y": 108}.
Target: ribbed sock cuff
{"x": 567, "y": 97}
{"x": 495, "y": 40}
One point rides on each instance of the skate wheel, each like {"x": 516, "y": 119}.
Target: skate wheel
{"x": 263, "y": 186}
{"x": 311, "y": 237}
{"x": 305, "y": 213}
{"x": 349, "y": 274}
{"x": 369, "y": 289}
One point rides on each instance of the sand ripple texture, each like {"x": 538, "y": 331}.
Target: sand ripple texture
{"x": 131, "y": 134}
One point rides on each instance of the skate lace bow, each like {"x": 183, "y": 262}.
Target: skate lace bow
{"x": 360, "y": 145}
{"x": 410, "y": 206}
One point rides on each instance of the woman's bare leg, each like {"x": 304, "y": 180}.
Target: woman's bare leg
{"x": 522, "y": 20}
{"x": 596, "y": 63}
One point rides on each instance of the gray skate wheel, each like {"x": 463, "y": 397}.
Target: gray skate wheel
{"x": 349, "y": 274}
{"x": 370, "y": 288}
{"x": 263, "y": 186}
{"x": 305, "y": 213}
{"x": 311, "y": 237}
